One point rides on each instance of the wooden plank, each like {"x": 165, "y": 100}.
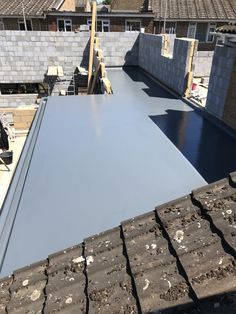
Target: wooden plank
{"x": 92, "y": 38}
{"x": 189, "y": 78}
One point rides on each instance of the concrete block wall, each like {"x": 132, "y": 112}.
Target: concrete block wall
{"x": 221, "y": 72}
{"x": 229, "y": 115}
{"x": 120, "y": 48}
{"x": 16, "y": 100}
{"x": 25, "y": 56}
{"x": 173, "y": 70}
{"x": 202, "y": 63}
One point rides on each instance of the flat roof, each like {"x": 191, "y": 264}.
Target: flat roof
{"x": 97, "y": 160}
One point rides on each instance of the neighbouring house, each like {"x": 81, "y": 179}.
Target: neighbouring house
{"x": 82, "y": 6}
{"x": 185, "y": 18}
{"x": 120, "y": 16}
{"x": 193, "y": 18}
{"x": 31, "y": 14}
{"x": 69, "y": 15}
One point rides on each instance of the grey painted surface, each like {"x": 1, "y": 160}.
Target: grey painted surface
{"x": 202, "y": 63}
{"x": 25, "y": 56}
{"x": 98, "y": 160}
{"x": 14, "y": 101}
{"x": 222, "y": 68}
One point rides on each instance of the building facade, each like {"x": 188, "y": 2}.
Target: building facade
{"x": 194, "y": 19}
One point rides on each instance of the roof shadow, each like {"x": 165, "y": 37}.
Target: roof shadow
{"x": 208, "y": 148}
{"x": 153, "y": 89}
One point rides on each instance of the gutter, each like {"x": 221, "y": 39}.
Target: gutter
{"x": 109, "y": 14}
{"x": 158, "y": 19}
{"x": 20, "y": 16}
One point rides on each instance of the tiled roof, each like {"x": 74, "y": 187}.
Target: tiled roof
{"x": 195, "y": 9}
{"x": 179, "y": 258}
{"x": 32, "y": 7}
{"x": 129, "y": 6}
{"x": 229, "y": 29}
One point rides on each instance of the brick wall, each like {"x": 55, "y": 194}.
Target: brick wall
{"x": 68, "y": 5}
{"x": 12, "y": 24}
{"x": 117, "y": 24}
{"x": 172, "y": 71}
{"x": 220, "y": 81}
{"x": 182, "y": 29}
{"x": 51, "y": 22}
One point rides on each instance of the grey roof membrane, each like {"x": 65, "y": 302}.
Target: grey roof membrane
{"x": 98, "y": 160}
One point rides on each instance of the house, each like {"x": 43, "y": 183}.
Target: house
{"x": 120, "y": 16}
{"x": 185, "y": 18}
{"x": 30, "y": 15}
{"x": 82, "y": 6}
{"x": 194, "y": 19}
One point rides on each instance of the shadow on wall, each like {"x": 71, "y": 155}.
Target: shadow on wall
{"x": 85, "y": 59}
{"x": 210, "y": 150}
{"x": 152, "y": 90}
{"x": 132, "y": 56}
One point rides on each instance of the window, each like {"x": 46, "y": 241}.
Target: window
{"x": 64, "y": 25}
{"x": 21, "y": 24}
{"x": 102, "y": 25}
{"x": 132, "y": 25}
{"x": 211, "y": 28}
{"x": 192, "y": 28}
{"x": 201, "y": 32}
{"x": 1, "y": 25}
{"x": 170, "y": 28}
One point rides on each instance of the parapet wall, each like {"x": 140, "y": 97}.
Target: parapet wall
{"x": 219, "y": 80}
{"x": 120, "y": 49}
{"x": 25, "y": 56}
{"x": 170, "y": 70}
{"x": 221, "y": 100}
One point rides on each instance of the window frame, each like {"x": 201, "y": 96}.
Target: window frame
{"x": 195, "y": 30}
{"x": 210, "y": 24}
{"x": 2, "y": 23}
{"x": 89, "y": 23}
{"x": 131, "y": 20}
{"x": 65, "y": 24}
{"x": 168, "y": 28}
{"x": 21, "y": 21}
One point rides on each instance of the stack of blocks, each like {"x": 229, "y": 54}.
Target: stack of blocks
{"x": 23, "y": 117}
